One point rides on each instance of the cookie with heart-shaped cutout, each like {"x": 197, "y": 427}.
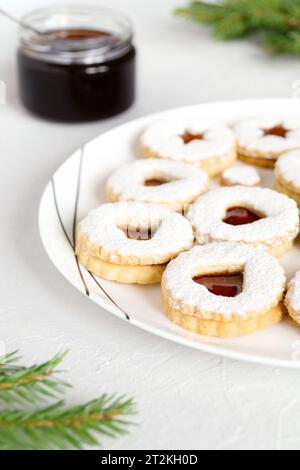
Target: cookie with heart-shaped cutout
{"x": 224, "y": 290}
{"x": 255, "y": 216}
{"x": 131, "y": 242}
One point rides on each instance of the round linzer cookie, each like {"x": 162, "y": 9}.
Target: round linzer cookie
{"x": 287, "y": 174}
{"x": 292, "y": 299}
{"x": 211, "y": 147}
{"x": 165, "y": 182}
{"x": 261, "y": 141}
{"x": 224, "y": 290}
{"x": 256, "y": 216}
{"x": 240, "y": 175}
{"x": 131, "y": 242}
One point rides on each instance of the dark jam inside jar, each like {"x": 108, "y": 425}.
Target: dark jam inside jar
{"x": 77, "y": 34}
{"x": 77, "y": 74}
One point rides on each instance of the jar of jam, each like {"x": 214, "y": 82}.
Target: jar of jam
{"x": 82, "y": 67}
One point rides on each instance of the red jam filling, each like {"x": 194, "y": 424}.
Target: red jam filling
{"x": 154, "y": 182}
{"x": 188, "y": 137}
{"x": 240, "y": 216}
{"x": 138, "y": 233}
{"x": 279, "y": 131}
{"x": 225, "y": 285}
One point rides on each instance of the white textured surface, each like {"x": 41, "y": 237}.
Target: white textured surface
{"x": 187, "y": 400}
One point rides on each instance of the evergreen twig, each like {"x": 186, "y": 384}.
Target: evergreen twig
{"x": 26, "y": 384}
{"x": 231, "y": 19}
{"x": 61, "y": 427}
{"x": 24, "y": 424}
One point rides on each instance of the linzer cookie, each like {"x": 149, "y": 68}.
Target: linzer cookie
{"x": 255, "y": 216}
{"x": 243, "y": 175}
{"x": 287, "y": 173}
{"x": 292, "y": 299}
{"x": 261, "y": 141}
{"x": 224, "y": 290}
{"x": 169, "y": 183}
{"x": 131, "y": 242}
{"x": 211, "y": 147}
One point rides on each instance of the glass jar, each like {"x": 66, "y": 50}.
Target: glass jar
{"x": 83, "y": 69}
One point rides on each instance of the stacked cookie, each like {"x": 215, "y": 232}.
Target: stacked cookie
{"x": 263, "y": 140}
{"x": 287, "y": 174}
{"x": 131, "y": 242}
{"x": 213, "y": 250}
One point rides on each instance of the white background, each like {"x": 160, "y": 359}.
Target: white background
{"x": 186, "y": 399}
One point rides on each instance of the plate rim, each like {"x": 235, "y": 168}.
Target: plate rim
{"x": 110, "y": 308}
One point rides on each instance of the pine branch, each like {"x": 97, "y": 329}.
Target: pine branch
{"x": 233, "y": 19}
{"x": 202, "y": 12}
{"x": 284, "y": 43}
{"x": 9, "y": 358}
{"x": 64, "y": 427}
{"x": 56, "y": 426}
{"x": 22, "y": 384}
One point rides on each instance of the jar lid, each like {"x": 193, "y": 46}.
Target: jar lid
{"x": 76, "y": 34}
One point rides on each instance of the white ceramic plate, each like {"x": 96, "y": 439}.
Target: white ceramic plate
{"x": 79, "y": 186}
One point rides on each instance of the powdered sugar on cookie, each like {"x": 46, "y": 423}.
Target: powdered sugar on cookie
{"x": 278, "y": 225}
{"x": 288, "y": 167}
{"x": 104, "y": 227}
{"x": 269, "y": 135}
{"x": 180, "y": 183}
{"x": 292, "y": 300}
{"x": 241, "y": 175}
{"x": 264, "y": 281}
{"x": 165, "y": 139}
